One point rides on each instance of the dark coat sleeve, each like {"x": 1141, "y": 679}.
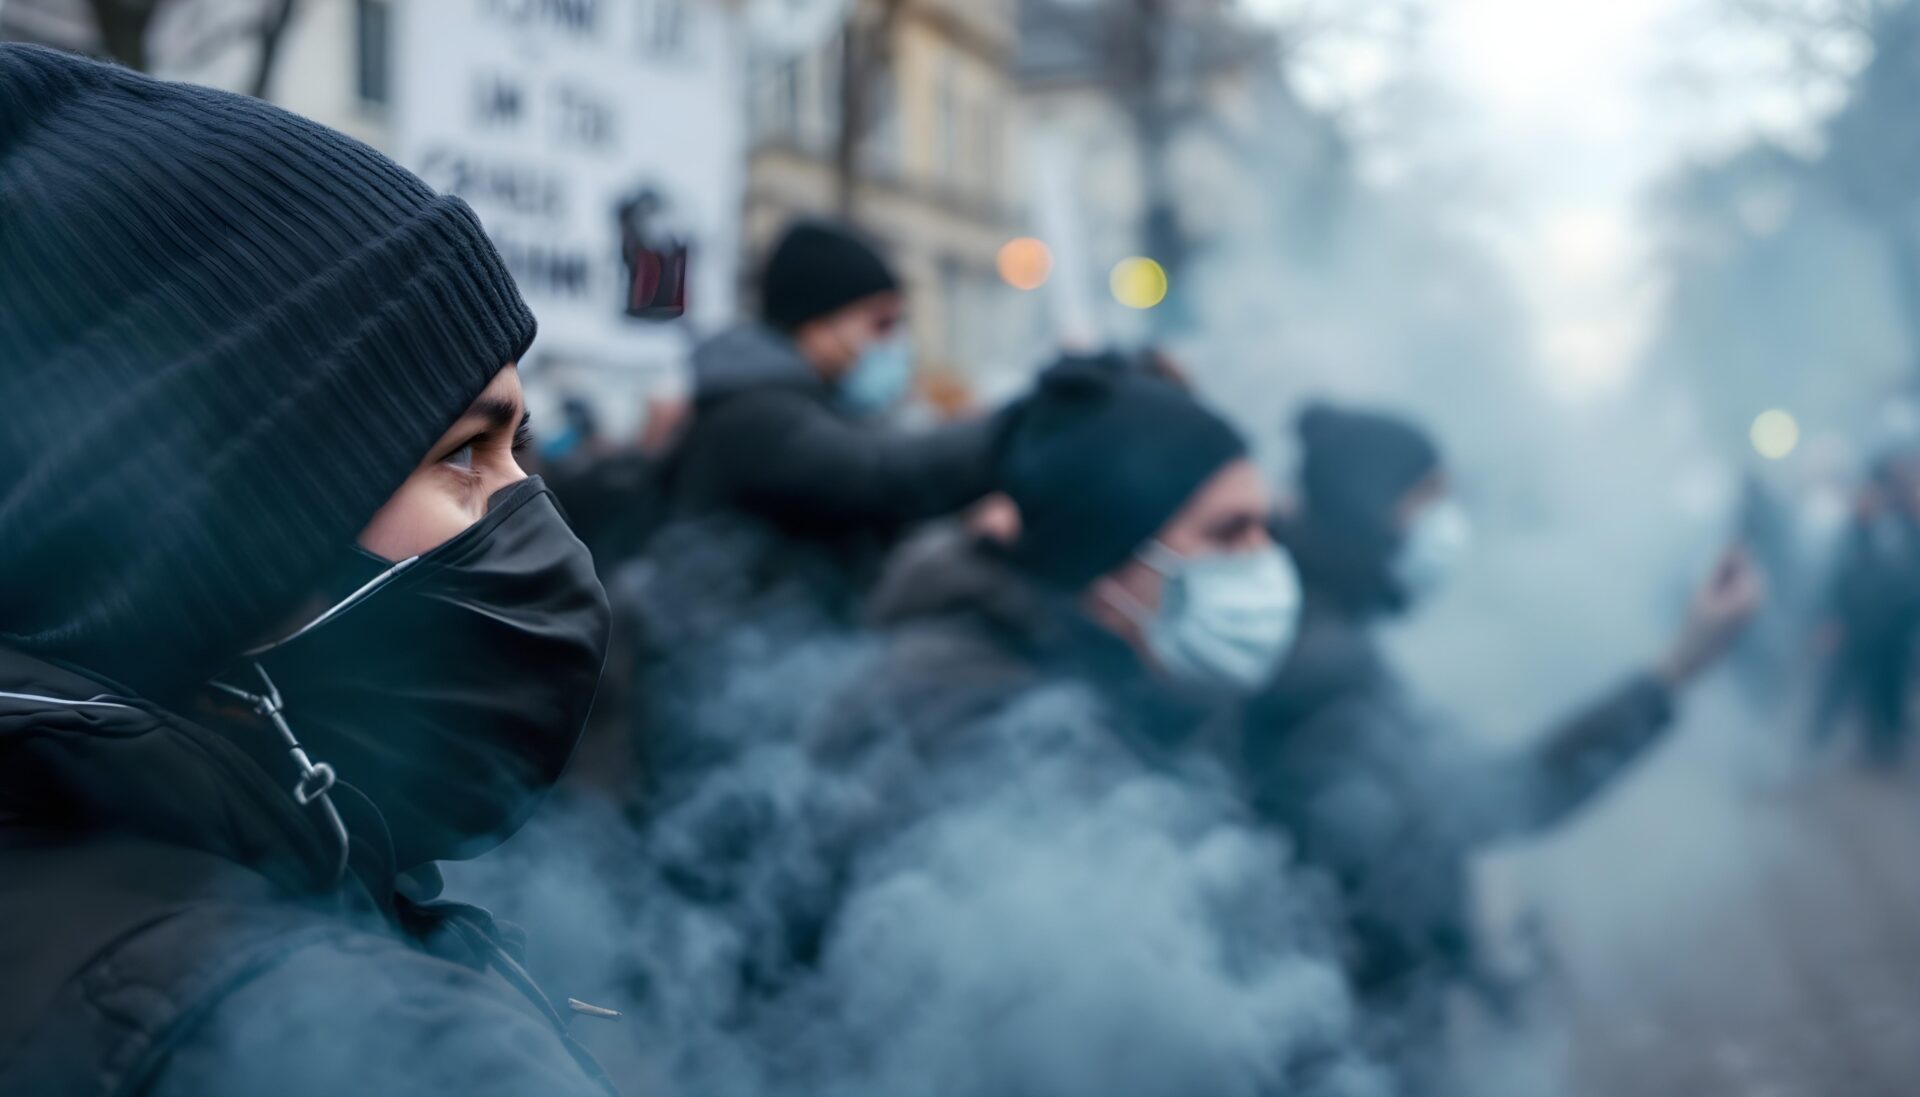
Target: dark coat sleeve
{"x": 1366, "y": 776}
{"x": 372, "y": 1017}
{"x": 1580, "y": 757}
{"x": 793, "y": 460}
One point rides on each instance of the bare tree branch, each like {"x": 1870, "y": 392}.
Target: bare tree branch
{"x": 273, "y": 32}
{"x": 123, "y": 26}
{"x": 866, "y": 59}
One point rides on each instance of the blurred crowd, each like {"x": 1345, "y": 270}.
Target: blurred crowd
{"x": 1106, "y": 532}
{"x": 1869, "y": 615}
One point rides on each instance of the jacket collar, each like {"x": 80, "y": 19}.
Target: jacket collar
{"x": 83, "y": 753}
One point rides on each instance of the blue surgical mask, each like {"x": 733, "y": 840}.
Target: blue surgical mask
{"x": 1225, "y": 621}
{"x": 881, "y": 377}
{"x": 1435, "y": 546}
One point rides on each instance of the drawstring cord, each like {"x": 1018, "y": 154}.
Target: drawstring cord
{"x": 316, "y": 778}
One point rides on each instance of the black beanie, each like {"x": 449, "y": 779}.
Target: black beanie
{"x": 227, "y": 335}
{"x": 1356, "y": 465}
{"x": 1102, "y": 456}
{"x": 817, "y": 267}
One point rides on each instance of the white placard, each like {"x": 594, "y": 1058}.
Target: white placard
{"x": 547, "y": 115}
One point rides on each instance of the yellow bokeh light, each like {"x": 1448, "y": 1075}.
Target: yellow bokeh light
{"x": 1774, "y": 434}
{"x": 1138, "y": 283}
{"x": 1025, "y": 263}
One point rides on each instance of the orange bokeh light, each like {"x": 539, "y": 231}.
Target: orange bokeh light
{"x": 1025, "y": 263}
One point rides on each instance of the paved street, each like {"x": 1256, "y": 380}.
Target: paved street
{"x": 1752, "y": 935}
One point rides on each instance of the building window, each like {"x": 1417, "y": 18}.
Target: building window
{"x": 820, "y": 125}
{"x": 991, "y": 143}
{"x": 953, "y": 311}
{"x": 373, "y": 42}
{"x": 946, "y": 122}
{"x": 880, "y": 151}
{"x": 776, "y": 100}
{"x": 663, "y": 29}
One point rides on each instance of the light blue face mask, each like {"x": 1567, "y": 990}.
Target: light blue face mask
{"x": 1225, "y": 621}
{"x": 1436, "y": 546}
{"x": 881, "y": 377}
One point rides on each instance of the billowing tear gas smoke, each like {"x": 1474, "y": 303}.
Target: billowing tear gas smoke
{"x": 1042, "y": 913}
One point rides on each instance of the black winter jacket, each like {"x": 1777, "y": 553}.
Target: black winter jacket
{"x": 169, "y": 927}
{"x": 769, "y": 441}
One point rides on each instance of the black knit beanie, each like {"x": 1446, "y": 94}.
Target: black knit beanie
{"x": 1101, "y": 458}
{"x": 227, "y": 334}
{"x": 1356, "y": 465}
{"x": 818, "y": 267}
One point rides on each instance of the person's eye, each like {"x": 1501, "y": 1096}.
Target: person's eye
{"x": 523, "y": 434}
{"x": 460, "y": 458}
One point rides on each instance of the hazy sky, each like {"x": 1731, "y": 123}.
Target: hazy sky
{"x": 1565, "y": 111}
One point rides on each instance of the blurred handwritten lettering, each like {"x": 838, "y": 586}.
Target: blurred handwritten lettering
{"x": 575, "y": 16}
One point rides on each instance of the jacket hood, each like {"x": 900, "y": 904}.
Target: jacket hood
{"x": 747, "y": 358}
{"x": 80, "y": 753}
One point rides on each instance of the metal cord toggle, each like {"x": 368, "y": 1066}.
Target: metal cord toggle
{"x": 316, "y": 778}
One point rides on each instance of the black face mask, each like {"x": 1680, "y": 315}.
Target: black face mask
{"x": 450, "y": 690}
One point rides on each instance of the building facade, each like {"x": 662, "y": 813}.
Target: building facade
{"x": 1166, "y": 129}
{"x": 936, "y": 167}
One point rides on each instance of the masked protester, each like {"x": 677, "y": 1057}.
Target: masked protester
{"x": 786, "y": 429}
{"x": 1141, "y": 569}
{"x": 1142, "y": 582}
{"x": 788, "y": 487}
{"x": 1390, "y": 806}
{"x": 282, "y": 622}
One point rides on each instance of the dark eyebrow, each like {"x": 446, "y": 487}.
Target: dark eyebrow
{"x": 498, "y": 411}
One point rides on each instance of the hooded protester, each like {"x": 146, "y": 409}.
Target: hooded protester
{"x": 282, "y": 622}
{"x": 1341, "y": 757}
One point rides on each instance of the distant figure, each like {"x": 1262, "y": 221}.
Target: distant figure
{"x": 577, "y": 443}
{"x": 1344, "y": 760}
{"x": 786, "y": 429}
{"x": 787, "y": 488}
{"x": 1873, "y": 612}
